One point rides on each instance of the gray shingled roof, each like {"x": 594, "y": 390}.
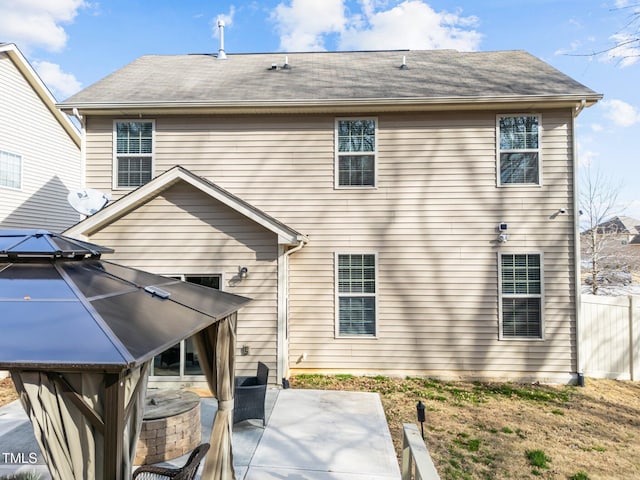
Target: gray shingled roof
{"x": 326, "y": 77}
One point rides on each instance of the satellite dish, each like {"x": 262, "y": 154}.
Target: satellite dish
{"x": 88, "y": 201}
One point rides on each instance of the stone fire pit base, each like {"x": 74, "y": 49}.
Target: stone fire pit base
{"x": 170, "y": 428}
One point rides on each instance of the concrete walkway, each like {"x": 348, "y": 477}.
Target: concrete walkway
{"x": 310, "y": 435}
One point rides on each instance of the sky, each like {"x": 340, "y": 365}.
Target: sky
{"x": 74, "y": 43}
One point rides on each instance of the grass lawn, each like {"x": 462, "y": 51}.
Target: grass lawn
{"x": 505, "y": 430}
{"x": 512, "y": 431}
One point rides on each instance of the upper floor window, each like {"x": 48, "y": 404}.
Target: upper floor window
{"x": 10, "y": 170}
{"x": 356, "y": 152}
{"x": 356, "y": 294}
{"x": 519, "y": 149}
{"x": 133, "y": 152}
{"x": 521, "y": 295}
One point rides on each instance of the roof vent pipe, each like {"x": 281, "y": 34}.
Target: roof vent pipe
{"x": 404, "y": 63}
{"x": 221, "y": 54}
{"x": 286, "y": 62}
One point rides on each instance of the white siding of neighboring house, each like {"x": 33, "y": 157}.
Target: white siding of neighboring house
{"x": 51, "y": 160}
{"x": 431, "y": 221}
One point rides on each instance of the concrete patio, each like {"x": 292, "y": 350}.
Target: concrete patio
{"x": 310, "y": 435}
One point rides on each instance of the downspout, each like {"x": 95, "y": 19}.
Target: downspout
{"x": 83, "y": 150}
{"x": 301, "y": 243}
{"x": 576, "y": 236}
{"x": 283, "y": 325}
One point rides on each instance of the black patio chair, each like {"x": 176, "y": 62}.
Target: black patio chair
{"x": 250, "y": 396}
{"x": 187, "y": 472}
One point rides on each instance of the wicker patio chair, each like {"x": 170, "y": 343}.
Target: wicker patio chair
{"x": 250, "y": 395}
{"x": 187, "y": 472}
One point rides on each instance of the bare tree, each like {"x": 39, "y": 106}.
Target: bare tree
{"x": 626, "y": 41}
{"x": 598, "y": 204}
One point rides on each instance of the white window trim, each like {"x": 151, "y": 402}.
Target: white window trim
{"x": 114, "y": 148}
{"x": 538, "y": 150}
{"x": 15, "y": 189}
{"x": 336, "y": 277}
{"x": 336, "y": 167}
{"x": 501, "y": 335}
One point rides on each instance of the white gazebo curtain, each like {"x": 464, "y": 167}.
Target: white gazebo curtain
{"x": 66, "y": 410}
{"x": 216, "y": 352}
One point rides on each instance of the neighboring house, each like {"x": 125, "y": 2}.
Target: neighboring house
{"x": 622, "y": 228}
{"x": 40, "y": 160}
{"x": 392, "y": 212}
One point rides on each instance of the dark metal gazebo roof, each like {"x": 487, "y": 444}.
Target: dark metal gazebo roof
{"x": 63, "y": 308}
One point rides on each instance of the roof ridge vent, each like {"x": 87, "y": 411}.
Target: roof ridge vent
{"x": 221, "y": 54}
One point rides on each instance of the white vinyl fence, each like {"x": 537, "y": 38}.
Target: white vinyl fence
{"x": 610, "y": 337}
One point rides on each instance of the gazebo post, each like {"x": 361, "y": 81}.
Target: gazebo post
{"x": 113, "y": 426}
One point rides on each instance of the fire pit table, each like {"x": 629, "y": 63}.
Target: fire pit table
{"x": 170, "y": 427}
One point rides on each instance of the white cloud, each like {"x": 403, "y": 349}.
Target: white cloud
{"x": 227, "y": 18}
{"x": 37, "y": 23}
{"x": 412, "y": 24}
{"x": 586, "y": 156}
{"x": 596, "y": 127}
{"x": 626, "y": 51}
{"x": 573, "y": 47}
{"x": 62, "y": 84}
{"x": 305, "y": 25}
{"x": 620, "y": 113}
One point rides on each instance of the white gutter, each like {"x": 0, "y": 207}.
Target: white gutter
{"x": 375, "y": 103}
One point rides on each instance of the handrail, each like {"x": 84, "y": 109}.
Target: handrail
{"x": 416, "y": 461}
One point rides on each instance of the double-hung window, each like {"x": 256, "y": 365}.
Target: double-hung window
{"x": 356, "y": 294}
{"x": 10, "y": 170}
{"x": 521, "y": 295}
{"x": 133, "y": 153}
{"x": 519, "y": 150}
{"x": 355, "y": 152}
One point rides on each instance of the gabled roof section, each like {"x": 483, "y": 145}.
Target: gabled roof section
{"x": 379, "y": 80}
{"x": 631, "y": 225}
{"x": 156, "y": 186}
{"x": 620, "y": 225}
{"x": 38, "y": 86}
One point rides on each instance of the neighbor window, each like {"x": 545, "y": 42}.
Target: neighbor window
{"x": 519, "y": 150}
{"x": 521, "y": 295}
{"x": 10, "y": 170}
{"x": 356, "y": 294}
{"x": 356, "y": 152}
{"x": 133, "y": 153}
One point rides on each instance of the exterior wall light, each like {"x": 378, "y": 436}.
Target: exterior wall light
{"x": 502, "y": 230}
{"x": 243, "y": 272}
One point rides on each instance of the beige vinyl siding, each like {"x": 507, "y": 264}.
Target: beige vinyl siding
{"x": 431, "y": 220}
{"x": 50, "y": 158}
{"x": 184, "y": 231}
